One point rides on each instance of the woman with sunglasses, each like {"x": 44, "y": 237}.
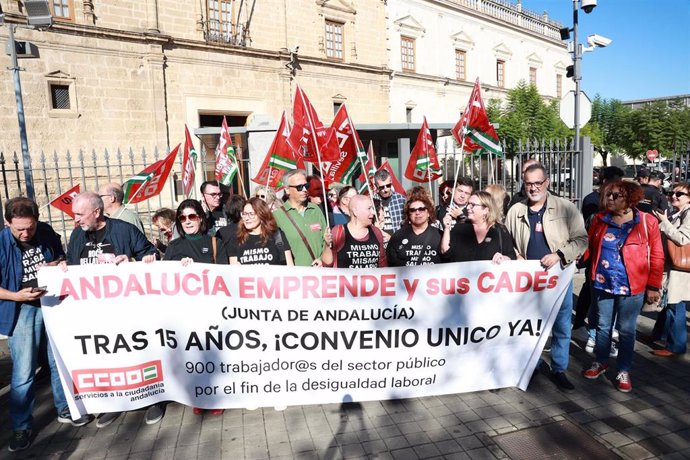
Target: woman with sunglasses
{"x": 417, "y": 242}
{"x": 671, "y": 322}
{"x": 259, "y": 240}
{"x": 194, "y": 245}
{"x": 480, "y": 237}
{"x": 627, "y": 262}
{"x": 268, "y": 195}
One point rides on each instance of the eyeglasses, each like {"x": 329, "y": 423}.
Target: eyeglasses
{"x": 385, "y": 185}
{"x": 614, "y": 195}
{"x": 419, "y": 209}
{"x": 538, "y": 185}
{"x": 191, "y": 217}
{"x": 214, "y": 195}
{"x": 300, "y": 187}
{"x": 471, "y": 205}
{"x": 677, "y": 194}
{"x": 248, "y": 215}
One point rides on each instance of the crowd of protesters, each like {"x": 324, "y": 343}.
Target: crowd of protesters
{"x": 619, "y": 237}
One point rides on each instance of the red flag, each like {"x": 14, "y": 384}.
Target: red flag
{"x": 369, "y": 170}
{"x": 308, "y": 134}
{"x": 474, "y": 126}
{"x": 64, "y": 201}
{"x": 423, "y": 165}
{"x": 397, "y": 186}
{"x": 279, "y": 158}
{"x": 226, "y": 161}
{"x": 346, "y": 140}
{"x": 188, "y": 163}
{"x": 149, "y": 182}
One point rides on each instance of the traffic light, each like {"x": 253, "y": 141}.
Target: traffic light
{"x": 570, "y": 71}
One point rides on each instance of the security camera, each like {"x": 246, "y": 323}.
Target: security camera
{"x": 296, "y": 49}
{"x": 588, "y": 5}
{"x": 598, "y": 40}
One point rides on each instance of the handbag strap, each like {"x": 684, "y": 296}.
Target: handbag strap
{"x": 299, "y": 232}
{"x": 646, "y": 235}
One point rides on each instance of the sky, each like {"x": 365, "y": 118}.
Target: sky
{"x": 650, "y": 53}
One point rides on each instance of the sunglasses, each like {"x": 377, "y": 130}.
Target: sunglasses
{"x": 191, "y": 217}
{"x": 419, "y": 209}
{"x": 300, "y": 187}
{"x": 385, "y": 185}
{"x": 614, "y": 195}
{"x": 677, "y": 194}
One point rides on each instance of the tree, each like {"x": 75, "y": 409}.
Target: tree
{"x": 608, "y": 127}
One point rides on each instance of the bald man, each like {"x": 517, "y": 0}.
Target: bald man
{"x": 359, "y": 243}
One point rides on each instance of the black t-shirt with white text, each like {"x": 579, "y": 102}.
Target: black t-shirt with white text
{"x": 97, "y": 250}
{"x": 407, "y": 248}
{"x": 255, "y": 252}
{"x": 359, "y": 254}
{"x": 32, "y": 258}
{"x": 199, "y": 249}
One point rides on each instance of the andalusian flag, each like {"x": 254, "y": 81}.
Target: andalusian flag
{"x": 280, "y": 158}
{"x": 226, "y": 161}
{"x": 423, "y": 165}
{"x": 345, "y": 150}
{"x": 149, "y": 182}
{"x": 473, "y": 131}
{"x": 188, "y": 163}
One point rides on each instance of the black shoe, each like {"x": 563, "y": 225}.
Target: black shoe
{"x": 20, "y": 440}
{"x": 562, "y": 382}
{"x": 154, "y": 414}
{"x": 66, "y": 417}
{"x": 106, "y": 419}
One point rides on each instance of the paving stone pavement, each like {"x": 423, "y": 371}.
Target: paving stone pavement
{"x": 652, "y": 421}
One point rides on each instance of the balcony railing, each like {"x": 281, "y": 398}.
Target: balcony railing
{"x": 226, "y": 33}
{"x": 515, "y": 14}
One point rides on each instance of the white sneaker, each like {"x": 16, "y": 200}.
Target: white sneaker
{"x": 589, "y": 347}
{"x": 614, "y": 351}
{"x": 615, "y": 335}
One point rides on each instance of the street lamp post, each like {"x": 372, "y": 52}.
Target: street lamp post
{"x": 577, "y": 58}
{"x": 26, "y": 158}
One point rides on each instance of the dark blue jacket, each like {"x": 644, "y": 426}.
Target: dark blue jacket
{"x": 125, "y": 238}
{"x": 11, "y": 269}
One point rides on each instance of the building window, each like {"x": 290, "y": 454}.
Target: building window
{"x": 59, "y": 97}
{"x": 334, "y": 40}
{"x": 559, "y": 85}
{"x": 460, "y": 65}
{"x": 533, "y": 76}
{"x": 336, "y": 107}
{"x": 408, "y": 114}
{"x": 407, "y": 54}
{"x": 63, "y": 9}
{"x": 220, "y": 20}
{"x": 501, "y": 74}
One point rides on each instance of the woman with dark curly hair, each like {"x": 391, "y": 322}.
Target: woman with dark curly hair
{"x": 259, "y": 240}
{"x": 417, "y": 242}
{"x": 627, "y": 261}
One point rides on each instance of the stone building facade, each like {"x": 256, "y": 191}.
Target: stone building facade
{"x": 439, "y": 47}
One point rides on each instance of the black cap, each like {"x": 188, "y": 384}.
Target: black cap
{"x": 643, "y": 172}
{"x": 657, "y": 175}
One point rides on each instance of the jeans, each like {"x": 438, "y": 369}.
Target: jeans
{"x": 560, "y": 334}
{"x": 23, "y": 344}
{"x": 674, "y": 327}
{"x": 626, "y": 308}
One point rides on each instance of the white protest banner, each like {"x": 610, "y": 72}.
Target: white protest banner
{"x": 214, "y": 336}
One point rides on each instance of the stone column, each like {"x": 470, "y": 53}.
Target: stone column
{"x": 154, "y": 61}
{"x": 89, "y": 16}
{"x": 152, "y": 16}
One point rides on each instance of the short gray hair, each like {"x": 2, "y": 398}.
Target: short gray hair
{"x": 293, "y": 172}
{"x": 93, "y": 199}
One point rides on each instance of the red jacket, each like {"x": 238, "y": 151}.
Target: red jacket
{"x": 639, "y": 246}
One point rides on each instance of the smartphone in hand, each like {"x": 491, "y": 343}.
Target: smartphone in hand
{"x": 39, "y": 289}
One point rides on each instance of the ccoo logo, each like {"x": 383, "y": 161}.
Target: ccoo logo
{"x": 120, "y": 378}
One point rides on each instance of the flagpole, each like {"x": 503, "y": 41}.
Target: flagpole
{"x": 457, "y": 170}
{"x": 318, "y": 157}
{"x": 239, "y": 175}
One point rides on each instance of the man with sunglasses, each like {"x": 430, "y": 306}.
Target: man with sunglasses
{"x": 549, "y": 229}
{"x": 211, "y": 201}
{"x": 391, "y": 201}
{"x": 98, "y": 239}
{"x": 302, "y": 222}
